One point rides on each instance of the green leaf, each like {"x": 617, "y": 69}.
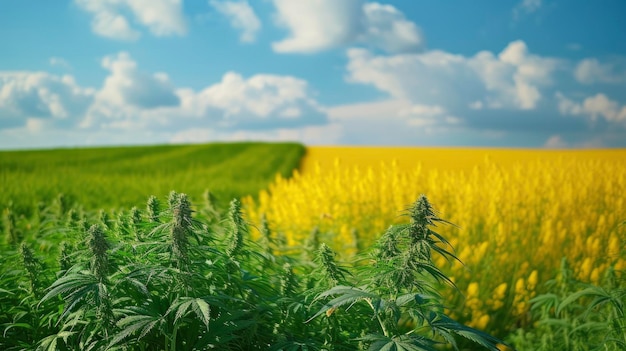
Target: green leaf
{"x": 443, "y": 324}
{"x": 590, "y": 327}
{"x": 184, "y": 305}
{"x": 544, "y": 300}
{"x": 348, "y": 296}
{"x": 49, "y": 343}
{"x": 202, "y": 310}
{"x": 411, "y": 342}
{"x": 69, "y": 283}
{"x": 131, "y": 324}
{"x": 17, "y": 325}
{"x": 419, "y": 299}
{"x": 591, "y": 291}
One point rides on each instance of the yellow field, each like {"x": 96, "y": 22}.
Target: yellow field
{"x": 518, "y": 212}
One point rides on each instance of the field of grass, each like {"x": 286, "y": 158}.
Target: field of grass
{"x": 122, "y": 177}
{"x": 518, "y": 213}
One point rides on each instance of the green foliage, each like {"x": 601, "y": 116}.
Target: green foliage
{"x": 173, "y": 279}
{"x": 400, "y": 282}
{"x": 573, "y": 315}
{"x": 118, "y": 177}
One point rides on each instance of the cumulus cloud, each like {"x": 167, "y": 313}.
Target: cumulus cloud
{"x": 513, "y": 79}
{"x": 503, "y": 97}
{"x": 316, "y": 25}
{"x": 128, "y": 95}
{"x": 133, "y": 99}
{"x": 126, "y": 84}
{"x": 136, "y": 106}
{"x": 33, "y": 97}
{"x": 241, "y": 16}
{"x": 387, "y": 28}
{"x": 594, "y": 107}
{"x": 112, "y": 18}
{"x": 590, "y": 71}
{"x": 262, "y": 101}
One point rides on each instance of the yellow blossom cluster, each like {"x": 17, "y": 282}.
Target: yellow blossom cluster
{"x": 518, "y": 212}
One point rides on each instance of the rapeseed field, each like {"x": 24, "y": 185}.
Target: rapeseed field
{"x": 517, "y": 215}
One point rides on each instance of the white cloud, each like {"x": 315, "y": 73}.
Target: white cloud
{"x": 162, "y": 17}
{"x": 424, "y": 110}
{"x": 128, "y": 85}
{"x": 59, "y": 62}
{"x": 381, "y": 110}
{"x": 593, "y": 107}
{"x": 526, "y": 7}
{"x": 35, "y": 96}
{"x": 428, "y": 115}
{"x": 261, "y": 101}
{"x": 390, "y": 121}
{"x": 310, "y": 135}
{"x": 555, "y": 142}
{"x": 133, "y": 99}
{"x": 128, "y": 94}
{"x": 316, "y": 25}
{"x": 111, "y": 18}
{"x": 388, "y": 29}
{"x": 398, "y": 122}
{"x": 512, "y": 80}
{"x": 590, "y": 70}
{"x": 241, "y": 17}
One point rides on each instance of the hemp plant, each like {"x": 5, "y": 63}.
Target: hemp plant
{"x": 185, "y": 282}
{"x": 85, "y": 291}
{"x": 575, "y": 315}
{"x": 398, "y": 282}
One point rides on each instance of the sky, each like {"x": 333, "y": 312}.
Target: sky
{"x": 491, "y": 73}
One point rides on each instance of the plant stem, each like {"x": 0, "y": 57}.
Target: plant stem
{"x": 380, "y": 321}
{"x": 173, "y": 348}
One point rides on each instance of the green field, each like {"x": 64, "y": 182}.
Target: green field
{"x": 123, "y": 177}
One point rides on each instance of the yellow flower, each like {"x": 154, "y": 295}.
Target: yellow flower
{"x": 472, "y": 290}
{"x": 482, "y": 322}
{"x": 532, "y": 280}
{"x": 518, "y": 211}
{"x": 501, "y": 291}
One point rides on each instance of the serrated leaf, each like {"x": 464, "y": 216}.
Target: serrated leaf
{"x": 380, "y": 342}
{"x": 348, "y": 296}
{"x": 131, "y": 324}
{"x": 419, "y": 299}
{"x": 203, "y": 311}
{"x": 69, "y": 283}
{"x": 442, "y": 323}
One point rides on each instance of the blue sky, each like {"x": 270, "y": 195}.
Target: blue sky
{"x": 519, "y": 73}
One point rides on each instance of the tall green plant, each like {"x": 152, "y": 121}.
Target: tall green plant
{"x": 399, "y": 282}
{"x": 574, "y": 315}
{"x": 182, "y": 281}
